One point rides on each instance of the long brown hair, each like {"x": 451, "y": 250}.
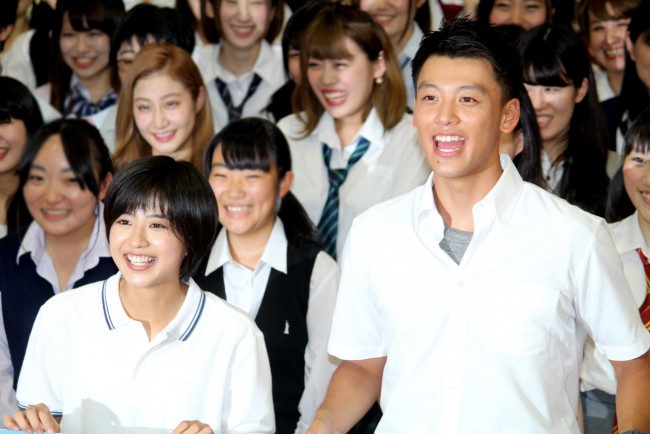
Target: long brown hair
{"x": 325, "y": 39}
{"x": 177, "y": 63}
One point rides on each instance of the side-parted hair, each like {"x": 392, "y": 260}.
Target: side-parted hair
{"x": 179, "y": 191}
{"x": 257, "y": 144}
{"x": 296, "y": 26}
{"x": 555, "y": 56}
{"x": 212, "y": 26}
{"x": 84, "y": 15}
{"x": 637, "y": 139}
{"x": 325, "y": 38}
{"x": 176, "y": 63}
{"x": 463, "y": 38}
{"x": 148, "y": 23}
{"x": 84, "y": 148}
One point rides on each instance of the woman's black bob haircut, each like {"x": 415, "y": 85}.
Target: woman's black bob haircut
{"x": 83, "y": 146}
{"x": 181, "y": 194}
{"x": 257, "y": 144}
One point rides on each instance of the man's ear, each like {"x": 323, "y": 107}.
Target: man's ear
{"x": 510, "y": 116}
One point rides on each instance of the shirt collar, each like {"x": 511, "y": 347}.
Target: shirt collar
{"x": 275, "y": 252}
{"x": 263, "y": 66}
{"x": 180, "y": 328}
{"x": 34, "y": 242}
{"x": 627, "y": 235}
{"x": 372, "y": 130}
{"x": 501, "y": 198}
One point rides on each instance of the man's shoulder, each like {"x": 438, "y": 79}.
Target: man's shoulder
{"x": 395, "y": 212}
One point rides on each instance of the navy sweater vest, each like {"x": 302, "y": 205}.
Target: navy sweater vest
{"x": 283, "y": 320}
{"x": 23, "y": 292}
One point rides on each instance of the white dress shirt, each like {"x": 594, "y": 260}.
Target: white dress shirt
{"x": 89, "y": 361}
{"x": 245, "y": 289}
{"x": 268, "y": 66}
{"x": 492, "y": 344}
{"x": 597, "y": 372}
{"x": 392, "y": 165}
{"x": 405, "y": 58}
{"x": 106, "y": 122}
{"x": 18, "y": 64}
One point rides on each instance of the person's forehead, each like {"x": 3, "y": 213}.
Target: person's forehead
{"x": 457, "y": 67}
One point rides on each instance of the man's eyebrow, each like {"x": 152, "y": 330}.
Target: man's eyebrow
{"x": 474, "y": 87}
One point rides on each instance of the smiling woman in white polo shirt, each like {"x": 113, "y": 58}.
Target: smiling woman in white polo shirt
{"x": 147, "y": 350}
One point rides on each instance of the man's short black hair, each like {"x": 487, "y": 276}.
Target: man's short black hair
{"x": 463, "y": 38}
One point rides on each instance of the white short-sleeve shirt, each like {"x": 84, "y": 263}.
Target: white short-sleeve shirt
{"x": 393, "y": 165}
{"x": 89, "y": 361}
{"x": 492, "y": 344}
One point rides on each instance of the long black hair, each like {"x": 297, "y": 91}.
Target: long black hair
{"x": 555, "y": 56}
{"x": 257, "y": 144}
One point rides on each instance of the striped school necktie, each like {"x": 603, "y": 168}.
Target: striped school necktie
{"x": 234, "y": 112}
{"x": 644, "y": 310}
{"x": 328, "y": 225}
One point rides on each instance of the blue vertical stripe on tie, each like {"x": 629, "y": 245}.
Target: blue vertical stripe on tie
{"x": 234, "y": 112}
{"x": 328, "y": 224}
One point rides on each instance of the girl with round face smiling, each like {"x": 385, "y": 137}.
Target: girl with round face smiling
{"x": 240, "y": 68}
{"x": 162, "y": 108}
{"x": 628, "y": 211}
{"x": 63, "y": 174}
{"x": 350, "y": 98}
{"x": 397, "y": 17}
{"x": 146, "y": 347}
{"x": 559, "y": 80}
{"x": 20, "y": 117}
{"x": 268, "y": 261}
{"x": 82, "y": 81}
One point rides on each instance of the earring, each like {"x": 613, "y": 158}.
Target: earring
{"x": 379, "y": 80}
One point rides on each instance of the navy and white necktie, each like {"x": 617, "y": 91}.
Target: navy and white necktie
{"x": 234, "y": 112}
{"x": 328, "y": 225}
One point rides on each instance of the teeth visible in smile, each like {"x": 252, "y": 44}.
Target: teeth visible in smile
{"x": 237, "y": 208}
{"x": 449, "y": 138}
{"x": 56, "y": 211}
{"x": 4, "y": 151}
{"x": 140, "y": 260}
{"x": 615, "y": 52}
{"x": 335, "y": 95}
{"x": 164, "y": 135}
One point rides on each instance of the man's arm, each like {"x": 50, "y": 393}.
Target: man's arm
{"x": 355, "y": 386}
{"x": 632, "y": 392}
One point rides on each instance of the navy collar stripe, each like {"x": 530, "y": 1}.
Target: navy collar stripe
{"x": 195, "y": 320}
{"x": 107, "y": 315}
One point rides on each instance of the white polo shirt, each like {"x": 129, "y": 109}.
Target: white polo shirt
{"x": 89, "y": 361}
{"x": 597, "y": 372}
{"x": 492, "y": 344}
{"x": 393, "y": 165}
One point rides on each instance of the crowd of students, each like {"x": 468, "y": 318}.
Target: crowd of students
{"x": 171, "y": 156}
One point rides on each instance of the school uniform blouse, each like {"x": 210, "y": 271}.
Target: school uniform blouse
{"x": 392, "y": 165}
{"x": 17, "y": 63}
{"x": 245, "y": 289}
{"x": 597, "y": 372}
{"x": 27, "y": 278}
{"x": 268, "y": 66}
{"x": 405, "y": 58}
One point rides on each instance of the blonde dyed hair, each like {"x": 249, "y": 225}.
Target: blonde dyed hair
{"x": 176, "y": 63}
{"x": 325, "y": 38}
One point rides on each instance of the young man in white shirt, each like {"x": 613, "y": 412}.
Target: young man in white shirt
{"x": 463, "y": 305}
